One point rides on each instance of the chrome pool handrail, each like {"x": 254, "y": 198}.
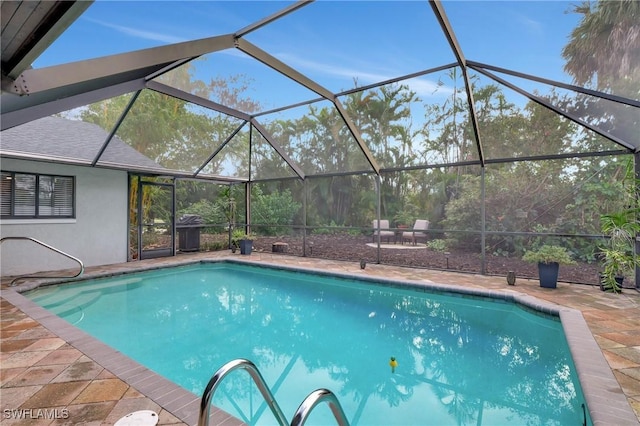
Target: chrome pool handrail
{"x": 245, "y": 364}
{"x": 313, "y": 400}
{"x": 12, "y": 283}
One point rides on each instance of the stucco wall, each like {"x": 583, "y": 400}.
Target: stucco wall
{"x": 97, "y": 236}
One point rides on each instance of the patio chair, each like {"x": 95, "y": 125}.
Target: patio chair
{"x": 419, "y": 231}
{"x": 385, "y": 232}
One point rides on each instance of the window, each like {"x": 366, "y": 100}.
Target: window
{"x": 28, "y": 195}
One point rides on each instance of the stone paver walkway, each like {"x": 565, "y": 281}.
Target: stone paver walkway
{"x": 47, "y": 380}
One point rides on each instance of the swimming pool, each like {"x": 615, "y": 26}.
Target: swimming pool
{"x": 461, "y": 359}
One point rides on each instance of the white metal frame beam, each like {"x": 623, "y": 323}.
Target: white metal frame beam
{"x": 261, "y": 23}
{"x": 37, "y": 109}
{"x": 300, "y": 78}
{"x": 559, "y": 111}
{"x": 441, "y": 16}
{"x": 284, "y": 69}
{"x": 41, "y": 79}
{"x": 293, "y": 164}
{"x": 197, "y": 100}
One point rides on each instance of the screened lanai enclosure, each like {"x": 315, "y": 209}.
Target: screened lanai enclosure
{"x": 506, "y": 125}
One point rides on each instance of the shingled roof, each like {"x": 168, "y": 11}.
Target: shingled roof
{"x": 70, "y": 141}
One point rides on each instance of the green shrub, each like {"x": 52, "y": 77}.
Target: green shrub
{"x": 208, "y": 211}
{"x": 549, "y": 254}
{"x": 437, "y": 245}
{"x": 276, "y": 208}
{"x": 214, "y": 246}
{"x": 330, "y": 229}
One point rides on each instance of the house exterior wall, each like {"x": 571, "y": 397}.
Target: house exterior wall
{"x": 97, "y": 235}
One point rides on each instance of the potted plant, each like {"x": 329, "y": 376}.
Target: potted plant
{"x": 549, "y": 258}
{"x": 621, "y": 227}
{"x": 618, "y": 258}
{"x": 245, "y": 242}
{"x": 236, "y": 236}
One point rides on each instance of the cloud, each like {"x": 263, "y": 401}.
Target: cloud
{"x": 134, "y": 32}
{"x": 427, "y": 88}
{"x": 423, "y": 86}
{"x": 531, "y": 25}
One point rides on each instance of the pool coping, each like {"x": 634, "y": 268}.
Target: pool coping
{"x": 605, "y": 400}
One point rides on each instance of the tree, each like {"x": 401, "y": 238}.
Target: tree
{"x": 383, "y": 116}
{"x": 603, "y": 53}
{"x": 447, "y": 133}
{"x": 604, "y": 48}
{"x": 174, "y": 133}
{"x": 276, "y": 208}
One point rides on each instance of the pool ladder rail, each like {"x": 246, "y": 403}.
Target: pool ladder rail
{"x": 302, "y": 413}
{"x": 21, "y": 277}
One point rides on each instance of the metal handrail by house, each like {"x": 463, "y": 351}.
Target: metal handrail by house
{"x": 12, "y": 283}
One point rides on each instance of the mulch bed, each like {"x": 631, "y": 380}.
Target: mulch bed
{"x": 350, "y": 248}
{"x": 354, "y": 249}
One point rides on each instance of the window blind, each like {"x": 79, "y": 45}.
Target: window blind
{"x": 37, "y": 196}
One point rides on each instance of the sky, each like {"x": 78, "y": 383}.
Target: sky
{"x": 335, "y": 43}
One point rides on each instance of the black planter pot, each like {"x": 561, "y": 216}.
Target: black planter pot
{"x": 619, "y": 280}
{"x": 548, "y": 273}
{"x": 246, "y": 246}
{"x": 600, "y": 281}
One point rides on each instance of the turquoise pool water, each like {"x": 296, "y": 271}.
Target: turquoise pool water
{"x": 461, "y": 360}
